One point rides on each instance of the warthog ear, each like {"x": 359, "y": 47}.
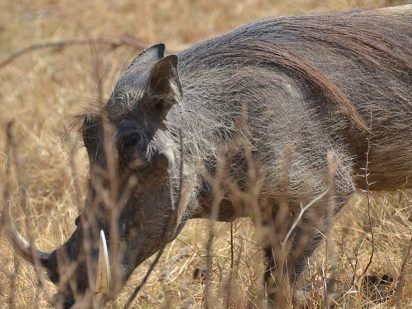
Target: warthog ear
{"x": 148, "y": 56}
{"x": 163, "y": 88}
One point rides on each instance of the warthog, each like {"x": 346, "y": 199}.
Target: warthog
{"x": 281, "y": 93}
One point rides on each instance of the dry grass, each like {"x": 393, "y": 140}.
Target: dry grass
{"x": 42, "y": 89}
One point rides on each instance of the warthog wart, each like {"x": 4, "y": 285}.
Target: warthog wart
{"x": 302, "y": 86}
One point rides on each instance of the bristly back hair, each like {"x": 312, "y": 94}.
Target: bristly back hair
{"x": 291, "y": 43}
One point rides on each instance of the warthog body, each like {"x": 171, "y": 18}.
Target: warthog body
{"x": 285, "y": 91}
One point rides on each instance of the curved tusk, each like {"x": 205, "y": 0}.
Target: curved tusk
{"x": 21, "y": 245}
{"x": 103, "y": 276}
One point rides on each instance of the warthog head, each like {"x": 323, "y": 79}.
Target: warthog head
{"x": 132, "y": 192}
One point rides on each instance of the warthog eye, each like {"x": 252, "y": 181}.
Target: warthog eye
{"x": 131, "y": 147}
{"x": 132, "y": 139}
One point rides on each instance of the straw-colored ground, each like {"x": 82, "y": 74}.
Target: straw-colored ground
{"x": 43, "y": 89}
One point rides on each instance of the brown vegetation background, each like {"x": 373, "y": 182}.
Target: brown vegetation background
{"x": 43, "y": 89}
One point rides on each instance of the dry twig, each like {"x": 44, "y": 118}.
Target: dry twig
{"x": 368, "y": 184}
{"x": 395, "y": 300}
{"x": 126, "y": 40}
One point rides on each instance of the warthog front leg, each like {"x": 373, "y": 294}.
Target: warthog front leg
{"x": 287, "y": 255}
